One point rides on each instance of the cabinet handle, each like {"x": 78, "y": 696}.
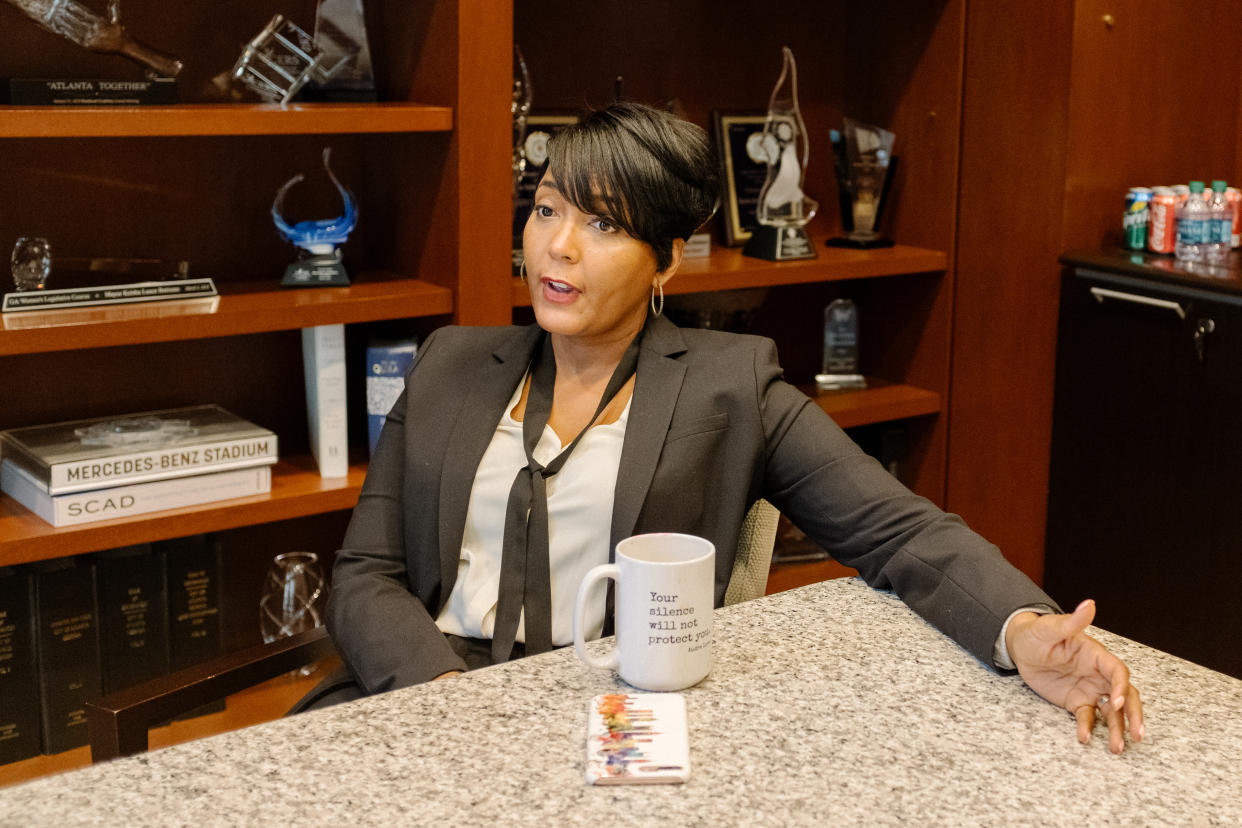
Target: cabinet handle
{"x": 1101, "y": 294}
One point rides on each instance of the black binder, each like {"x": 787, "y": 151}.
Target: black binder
{"x": 67, "y": 641}
{"x": 19, "y": 680}
{"x": 133, "y": 612}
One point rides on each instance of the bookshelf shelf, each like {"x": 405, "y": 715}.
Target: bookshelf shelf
{"x": 297, "y": 491}
{"x": 726, "y": 269}
{"x": 221, "y": 119}
{"x": 880, "y": 402}
{"x": 242, "y": 308}
{"x": 800, "y": 573}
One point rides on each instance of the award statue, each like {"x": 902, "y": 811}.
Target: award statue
{"x": 31, "y": 263}
{"x": 341, "y": 29}
{"x": 283, "y": 58}
{"x": 783, "y": 209}
{"x": 84, "y": 27}
{"x": 839, "y": 368}
{"x": 319, "y": 240}
{"x": 864, "y": 168}
{"x": 520, "y": 110}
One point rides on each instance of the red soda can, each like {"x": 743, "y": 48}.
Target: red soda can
{"x": 1162, "y": 227}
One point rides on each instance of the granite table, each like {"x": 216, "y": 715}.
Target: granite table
{"x": 830, "y": 704}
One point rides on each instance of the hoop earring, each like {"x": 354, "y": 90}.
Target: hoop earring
{"x": 654, "y": 309}
{"x": 522, "y": 271}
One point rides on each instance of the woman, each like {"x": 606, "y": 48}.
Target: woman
{"x": 666, "y": 430}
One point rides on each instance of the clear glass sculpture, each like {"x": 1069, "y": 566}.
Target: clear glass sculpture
{"x": 520, "y": 110}
{"x": 783, "y": 209}
{"x": 341, "y": 29}
{"x": 74, "y": 21}
{"x": 783, "y": 146}
{"x": 31, "y": 263}
{"x": 869, "y": 150}
{"x": 292, "y": 598}
{"x": 283, "y": 58}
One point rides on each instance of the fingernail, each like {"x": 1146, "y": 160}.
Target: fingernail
{"x": 1142, "y": 732}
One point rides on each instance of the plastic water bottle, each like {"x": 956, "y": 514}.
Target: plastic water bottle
{"x": 1192, "y": 226}
{"x": 1220, "y": 225}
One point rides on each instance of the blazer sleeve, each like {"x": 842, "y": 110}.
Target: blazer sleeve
{"x": 849, "y": 504}
{"x": 385, "y": 634}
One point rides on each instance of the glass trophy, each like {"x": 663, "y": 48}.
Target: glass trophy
{"x": 839, "y": 368}
{"x": 282, "y": 58}
{"x": 341, "y": 29}
{"x": 31, "y": 263}
{"x": 74, "y": 21}
{"x": 319, "y": 240}
{"x": 864, "y": 168}
{"x": 783, "y": 209}
{"x": 292, "y": 599}
{"x": 520, "y": 110}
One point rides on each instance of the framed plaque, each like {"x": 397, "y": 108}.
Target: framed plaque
{"x": 742, "y": 176}
{"x": 539, "y": 128}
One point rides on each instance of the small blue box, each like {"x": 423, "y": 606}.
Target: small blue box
{"x": 388, "y": 360}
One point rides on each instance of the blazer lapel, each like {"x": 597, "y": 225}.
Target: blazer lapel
{"x": 656, "y": 387}
{"x": 489, "y": 391}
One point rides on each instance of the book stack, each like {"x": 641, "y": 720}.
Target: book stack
{"x": 74, "y": 629}
{"x": 111, "y": 467}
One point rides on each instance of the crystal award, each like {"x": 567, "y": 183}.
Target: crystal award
{"x": 319, "y": 240}
{"x": 283, "y": 58}
{"x": 520, "y": 110}
{"x": 864, "y": 168}
{"x": 341, "y": 29}
{"x": 31, "y": 263}
{"x": 839, "y": 368}
{"x": 783, "y": 209}
{"x": 70, "y": 19}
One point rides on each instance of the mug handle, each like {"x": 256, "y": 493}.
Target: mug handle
{"x": 609, "y": 660}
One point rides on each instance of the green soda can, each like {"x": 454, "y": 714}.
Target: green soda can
{"x": 1134, "y": 220}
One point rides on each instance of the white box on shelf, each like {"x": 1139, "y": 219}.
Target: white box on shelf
{"x": 323, "y": 361}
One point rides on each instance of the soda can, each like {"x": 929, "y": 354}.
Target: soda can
{"x": 1134, "y": 220}
{"x": 1234, "y": 196}
{"x": 1162, "y": 225}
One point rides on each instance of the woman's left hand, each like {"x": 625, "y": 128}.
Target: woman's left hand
{"x": 1071, "y": 669}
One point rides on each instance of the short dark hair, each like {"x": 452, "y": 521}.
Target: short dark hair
{"x": 649, "y": 171}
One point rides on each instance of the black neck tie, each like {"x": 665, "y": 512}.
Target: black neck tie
{"x": 525, "y": 576}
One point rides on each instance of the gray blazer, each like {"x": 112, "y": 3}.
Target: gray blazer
{"x": 712, "y": 427}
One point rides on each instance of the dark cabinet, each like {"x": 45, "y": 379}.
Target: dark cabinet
{"x": 1145, "y": 489}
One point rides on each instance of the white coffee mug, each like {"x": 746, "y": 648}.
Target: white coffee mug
{"x": 665, "y": 582}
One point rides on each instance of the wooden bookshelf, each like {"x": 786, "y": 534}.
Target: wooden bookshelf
{"x": 792, "y": 575}
{"x": 242, "y": 308}
{"x": 879, "y": 402}
{"x": 297, "y": 491}
{"x": 221, "y": 119}
{"x": 726, "y": 268}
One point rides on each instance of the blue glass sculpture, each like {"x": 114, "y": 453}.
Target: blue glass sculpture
{"x": 318, "y": 239}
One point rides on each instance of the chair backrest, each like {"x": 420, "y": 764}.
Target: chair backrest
{"x": 754, "y": 553}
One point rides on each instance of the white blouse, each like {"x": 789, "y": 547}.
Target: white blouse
{"x": 580, "y": 498}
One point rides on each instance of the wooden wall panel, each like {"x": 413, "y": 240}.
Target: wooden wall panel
{"x": 1153, "y": 100}
{"x": 1063, "y": 111}
{"x": 1009, "y": 215}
